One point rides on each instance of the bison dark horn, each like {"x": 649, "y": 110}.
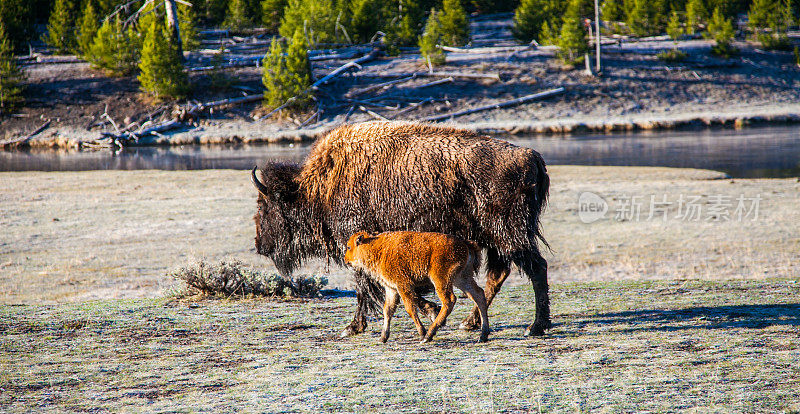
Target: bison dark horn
{"x": 260, "y": 187}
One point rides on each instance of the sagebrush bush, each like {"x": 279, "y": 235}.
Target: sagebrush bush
{"x": 234, "y": 279}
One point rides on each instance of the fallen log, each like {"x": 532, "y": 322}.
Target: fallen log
{"x": 373, "y": 114}
{"x": 412, "y": 107}
{"x": 512, "y": 102}
{"x": 18, "y": 142}
{"x": 371, "y": 88}
{"x": 341, "y": 69}
{"x": 459, "y": 75}
{"x": 485, "y": 50}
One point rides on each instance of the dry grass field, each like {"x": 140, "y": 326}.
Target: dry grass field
{"x": 74, "y": 236}
{"x": 693, "y": 346}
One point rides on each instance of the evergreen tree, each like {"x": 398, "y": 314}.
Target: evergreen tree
{"x": 529, "y": 18}
{"x": 61, "y": 27}
{"x": 272, "y": 13}
{"x": 696, "y": 14}
{"x": 674, "y": 27}
{"x": 11, "y": 76}
{"x": 113, "y": 50}
{"x": 611, "y": 11}
{"x": 366, "y": 18}
{"x": 161, "y": 66}
{"x": 721, "y": 30}
{"x": 316, "y": 19}
{"x": 572, "y": 40}
{"x": 770, "y": 23}
{"x": 641, "y": 18}
{"x": 238, "y": 15}
{"x": 18, "y": 17}
{"x": 430, "y": 41}
{"x": 186, "y": 19}
{"x": 287, "y": 73}
{"x": 404, "y": 26}
{"x": 454, "y": 23}
{"x": 87, "y": 30}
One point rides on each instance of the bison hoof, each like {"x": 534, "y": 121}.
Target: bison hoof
{"x": 468, "y": 325}
{"x": 349, "y": 331}
{"x": 534, "y": 330}
{"x": 483, "y": 339}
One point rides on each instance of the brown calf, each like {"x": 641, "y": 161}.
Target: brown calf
{"x": 404, "y": 260}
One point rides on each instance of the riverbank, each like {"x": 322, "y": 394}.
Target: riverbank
{"x": 77, "y": 236}
{"x": 636, "y": 91}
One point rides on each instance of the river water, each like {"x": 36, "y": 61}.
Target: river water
{"x": 748, "y": 153}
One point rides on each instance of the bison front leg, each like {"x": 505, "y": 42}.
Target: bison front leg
{"x": 535, "y": 266}
{"x": 369, "y": 298}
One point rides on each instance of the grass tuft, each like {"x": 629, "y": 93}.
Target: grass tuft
{"x": 234, "y": 279}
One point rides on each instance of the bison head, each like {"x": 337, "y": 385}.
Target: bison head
{"x": 284, "y": 220}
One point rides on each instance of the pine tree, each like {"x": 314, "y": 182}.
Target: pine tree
{"x": 454, "y": 23}
{"x": 11, "y": 76}
{"x": 113, "y": 50}
{"x": 287, "y": 73}
{"x": 366, "y": 19}
{"x": 18, "y": 17}
{"x": 89, "y": 25}
{"x": 770, "y": 23}
{"x": 161, "y": 67}
{"x": 272, "y": 13}
{"x": 572, "y": 40}
{"x": 529, "y": 18}
{"x": 238, "y": 16}
{"x": 430, "y": 41}
{"x": 721, "y": 30}
{"x": 186, "y": 19}
{"x": 611, "y": 11}
{"x": 61, "y": 27}
{"x": 640, "y": 18}
{"x": 674, "y": 28}
{"x": 316, "y": 19}
{"x": 696, "y": 14}
{"x": 403, "y": 26}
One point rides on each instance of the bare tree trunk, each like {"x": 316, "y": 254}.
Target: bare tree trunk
{"x": 172, "y": 24}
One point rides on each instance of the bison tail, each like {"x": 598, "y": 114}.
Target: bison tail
{"x": 475, "y": 250}
{"x": 542, "y": 190}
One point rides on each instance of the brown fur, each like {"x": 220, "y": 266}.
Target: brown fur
{"x": 387, "y": 176}
{"x": 404, "y": 260}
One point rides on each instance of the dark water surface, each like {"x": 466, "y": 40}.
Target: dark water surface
{"x": 754, "y": 152}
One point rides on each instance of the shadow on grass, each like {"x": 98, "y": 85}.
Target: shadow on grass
{"x": 701, "y": 317}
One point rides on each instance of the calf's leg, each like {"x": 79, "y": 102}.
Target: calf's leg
{"x": 448, "y": 298}
{"x": 474, "y": 292}
{"x": 389, "y": 306}
{"x": 497, "y": 271}
{"x": 408, "y": 297}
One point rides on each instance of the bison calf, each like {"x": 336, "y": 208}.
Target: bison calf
{"x": 404, "y": 260}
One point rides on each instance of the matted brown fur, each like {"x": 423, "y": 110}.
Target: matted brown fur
{"x": 388, "y": 176}
{"x": 402, "y": 261}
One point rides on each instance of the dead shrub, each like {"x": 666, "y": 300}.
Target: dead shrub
{"x": 234, "y": 279}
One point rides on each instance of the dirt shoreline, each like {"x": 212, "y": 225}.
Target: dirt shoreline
{"x": 78, "y": 236}
{"x": 246, "y": 132}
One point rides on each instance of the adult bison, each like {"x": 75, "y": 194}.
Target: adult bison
{"x": 384, "y": 176}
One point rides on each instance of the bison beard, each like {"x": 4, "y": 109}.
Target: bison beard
{"x": 386, "y": 176}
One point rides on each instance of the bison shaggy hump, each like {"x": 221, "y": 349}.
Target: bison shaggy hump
{"x": 397, "y": 176}
{"x": 386, "y": 176}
